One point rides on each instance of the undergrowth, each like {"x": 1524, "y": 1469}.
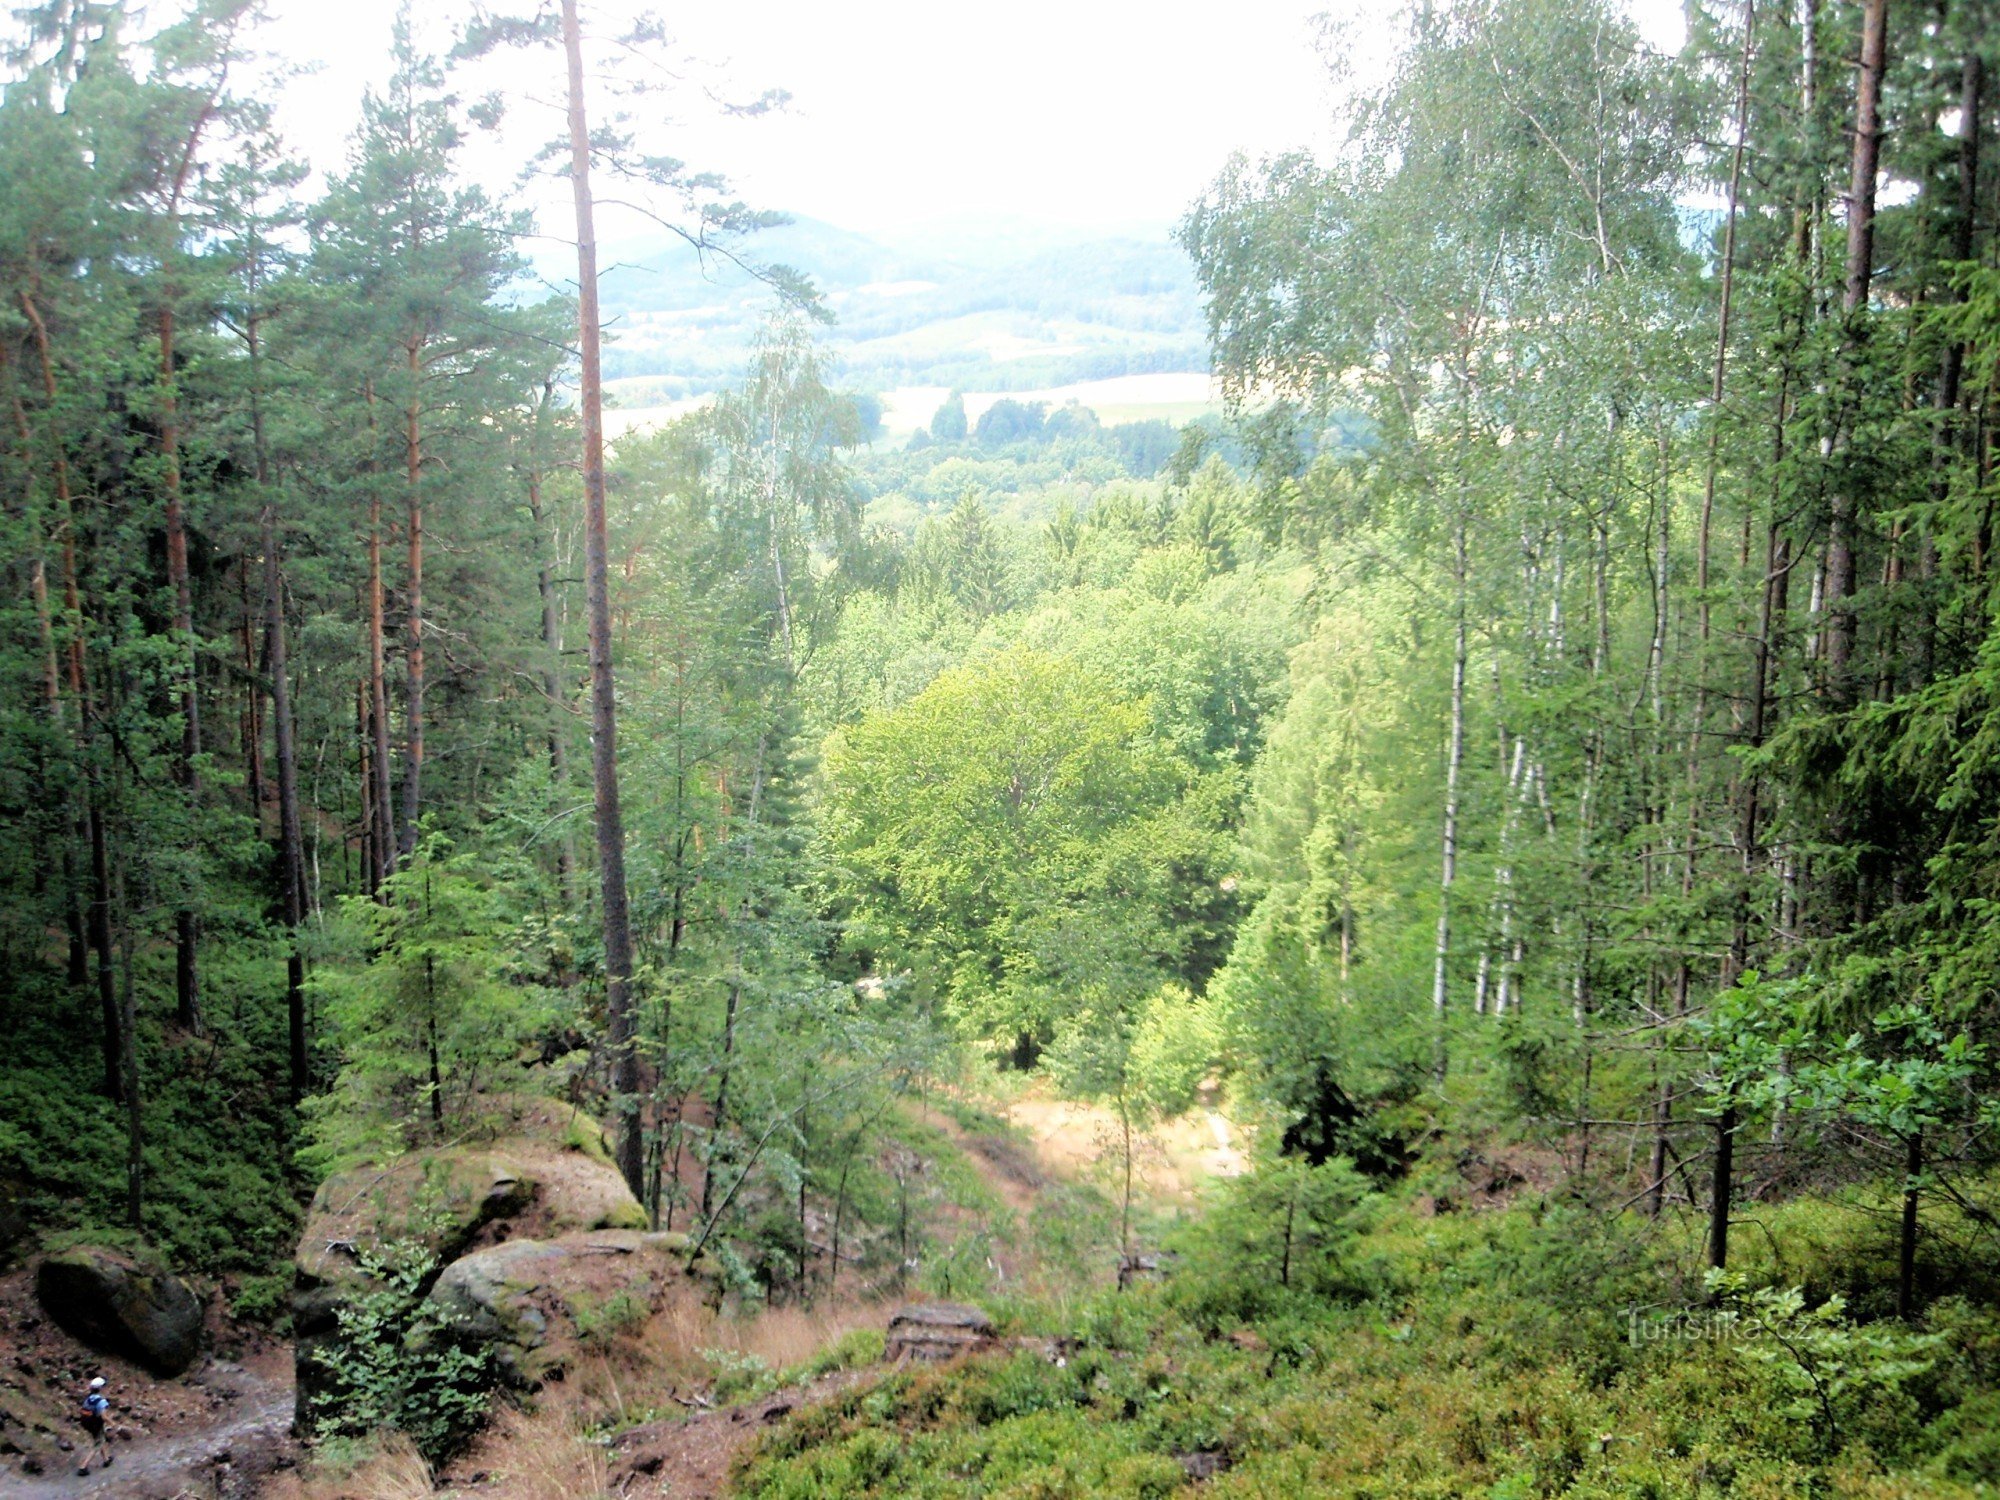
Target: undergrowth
{"x": 1381, "y": 1354}
{"x": 219, "y": 1193}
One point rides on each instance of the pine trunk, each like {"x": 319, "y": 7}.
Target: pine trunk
{"x": 1842, "y": 518}
{"x": 616, "y": 914}
{"x": 552, "y": 680}
{"x": 291, "y": 881}
{"x": 187, "y": 926}
{"x": 413, "y": 747}
{"x": 378, "y": 698}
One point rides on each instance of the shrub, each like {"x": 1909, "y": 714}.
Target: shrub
{"x": 263, "y": 1299}
{"x": 740, "y": 1376}
{"x": 392, "y": 1364}
{"x": 1289, "y": 1228}
{"x": 853, "y": 1350}
{"x": 598, "y": 1323}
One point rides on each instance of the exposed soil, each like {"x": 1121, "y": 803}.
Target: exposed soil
{"x": 689, "y": 1459}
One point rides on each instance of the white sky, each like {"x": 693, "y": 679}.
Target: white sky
{"x": 1084, "y": 113}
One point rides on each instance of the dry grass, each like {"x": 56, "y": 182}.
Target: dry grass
{"x": 632, "y": 1376}
{"x": 548, "y": 1453}
{"x": 543, "y": 1456}
{"x": 393, "y": 1470}
{"x": 786, "y": 1336}
{"x": 1173, "y": 1161}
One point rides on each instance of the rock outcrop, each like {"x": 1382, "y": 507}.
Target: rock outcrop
{"x": 115, "y": 1303}
{"x": 531, "y": 1302}
{"x": 429, "y": 1204}
{"x": 545, "y": 1181}
{"x": 937, "y": 1331}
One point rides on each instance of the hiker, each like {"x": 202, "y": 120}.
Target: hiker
{"x": 95, "y": 1405}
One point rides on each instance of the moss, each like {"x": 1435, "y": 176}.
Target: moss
{"x": 625, "y": 1215}
{"x": 584, "y": 1134}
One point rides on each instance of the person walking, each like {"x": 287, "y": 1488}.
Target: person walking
{"x": 95, "y": 1406}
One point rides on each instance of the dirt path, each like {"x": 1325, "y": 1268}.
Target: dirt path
{"x": 247, "y": 1436}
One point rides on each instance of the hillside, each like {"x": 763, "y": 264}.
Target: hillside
{"x": 976, "y": 307}
{"x": 933, "y": 916}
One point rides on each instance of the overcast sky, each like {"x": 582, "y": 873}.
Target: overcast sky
{"x": 907, "y": 113}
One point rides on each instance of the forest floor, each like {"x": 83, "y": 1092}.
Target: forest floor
{"x": 223, "y": 1429}
{"x": 217, "y": 1430}
{"x": 1021, "y": 1148}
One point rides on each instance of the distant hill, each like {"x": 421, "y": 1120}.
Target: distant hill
{"x": 999, "y": 309}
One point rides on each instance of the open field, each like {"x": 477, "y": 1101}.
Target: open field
{"x": 1174, "y": 397}
{"x": 1179, "y": 396}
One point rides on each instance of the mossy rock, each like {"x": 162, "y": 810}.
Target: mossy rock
{"x": 626, "y": 1215}
{"x": 119, "y": 1304}
{"x": 499, "y": 1298}
{"x": 520, "y": 1301}
{"x": 549, "y": 1177}
{"x": 586, "y": 1135}
{"x": 434, "y": 1202}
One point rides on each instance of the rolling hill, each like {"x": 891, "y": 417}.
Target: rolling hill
{"x": 987, "y": 308}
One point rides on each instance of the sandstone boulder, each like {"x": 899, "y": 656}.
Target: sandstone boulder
{"x": 546, "y": 1174}
{"x": 113, "y": 1302}
{"x": 936, "y": 1331}
{"x": 448, "y": 1200}
{"x": 529, "y": 1302}
{"x": 433, "y": 1202}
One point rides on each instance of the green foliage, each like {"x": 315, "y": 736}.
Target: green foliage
{"x": 740, "y": 1377}
{"x": 428, "y": 1016}
{"x": 1284, "y": 1234}
{"x": 265, "y": 1300}
{"x": 1829, "y": 1373}
{"x": 600, "y": 1321}
{"x": 1175, "y": 1042}
{"x": 1554, "y": 716}
{"x": 854, "y": 1350}
{"x": 217, "y": 1164}
{"x": 1007, "y": 421}
{"x": 948, "y": 421}
{"x": 1015, "y": 833}
{"x": 390, "y": 1363}
{"x": 1474, "y": 1359}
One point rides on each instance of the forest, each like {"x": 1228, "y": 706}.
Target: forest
{"x": 1424, "y": 936}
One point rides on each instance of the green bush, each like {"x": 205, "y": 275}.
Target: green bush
{"x": 219, "y": 1194}
{"x": 1287, "y": 1231}
{"x": 1443, "y": 1356}
{"x": 739, "y": 1377}
{"x": 392, "y": 1364}
{"x": 853, "y": 1350}
{"x": 263, "y": 1299}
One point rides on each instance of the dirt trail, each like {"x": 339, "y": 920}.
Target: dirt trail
{"x": 245, "y": 1438}
{"x": 689, "y": 1458}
